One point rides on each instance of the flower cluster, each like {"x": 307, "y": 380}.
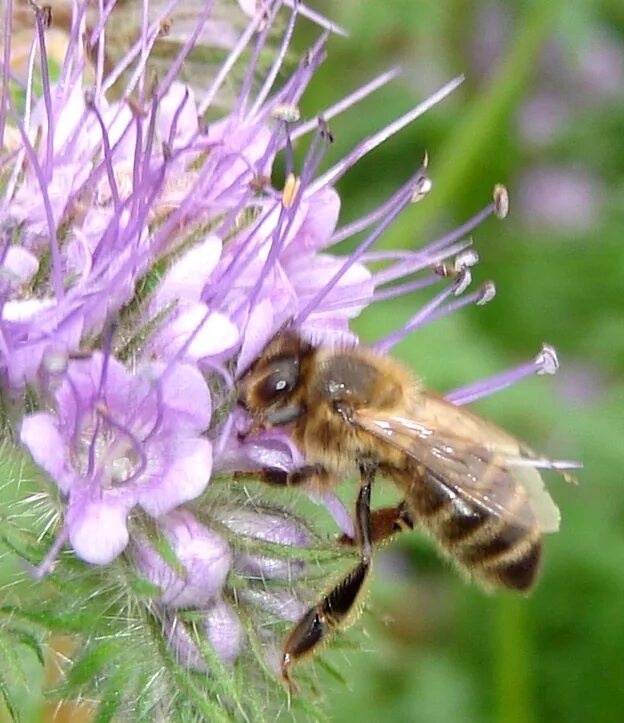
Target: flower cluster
{"x": 146, "y": 259}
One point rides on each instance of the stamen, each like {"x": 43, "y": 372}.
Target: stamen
{"x": 189, "y": 43}
{"x": 545, "y": 362}
{"x": 57, "y": 279}
{"x": 333, "y": 174}
{"x": 135, "y": 51}
{"x": 403, "y": 197}
{"x": 41, "y": 18}
{"x": 295, "y": 86}
{"x": 501, "y": 201}
{"x": 6, "y": 61}
{"x": 277, "y": 63}
{"x": 291, "y": 189}
{"x": 39, "y": 572}
{"x": 470, "y": 224}
{"x": 286, "y": 112}
{"x": 368, "y": 220}
{"x": 136, "y": 444}
{"x": 108, "y": 156}
{"x": 424, "y": 186}
{"x": 232, "y": 58}
{"x": 317, "y": 18}
{"x": 252, "y": 64}
{"x": 421, "y": 317}
{"x": 348, "y": 101}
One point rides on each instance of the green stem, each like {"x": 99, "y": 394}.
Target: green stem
{"x": 512, "y": 662}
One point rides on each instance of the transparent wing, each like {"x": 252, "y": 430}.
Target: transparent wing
{"x": 470, "y": 456}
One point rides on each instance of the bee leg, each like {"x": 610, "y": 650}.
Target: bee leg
{"x": 309, "y": 473}
{"x": 384, "y": 523}
{"x": 334, "y": 609}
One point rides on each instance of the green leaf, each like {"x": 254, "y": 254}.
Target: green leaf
{"x": 74, "y": 621}
{"x": 11, "y": 663}
{"x": 112, "y": 696}
{"x": 91, "y": 665}
{"x": 28, "y": 640}
{"x": 8, "y": 700}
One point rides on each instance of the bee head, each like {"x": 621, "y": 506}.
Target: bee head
{"x": 271, "y": 389}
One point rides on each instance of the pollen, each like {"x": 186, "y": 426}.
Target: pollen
{"x": 291, "y": 189}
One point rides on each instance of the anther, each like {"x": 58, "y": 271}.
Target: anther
{"x": 326, "y": 134}
{"x": 501, "y": 201}
{"x": 421, "y": 188}
{"x": 466, "y": 259}
{"x": 464, "y": 279}
{"x": 488, "y": 292}
{"x": 164, "y": 27}
{"x": 547, "y": 360}
{"x": 291, "y": 189}
{"x": 89, "y": 97}
{"x": 287, "y": 112}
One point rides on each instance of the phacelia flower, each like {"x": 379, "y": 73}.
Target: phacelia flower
{"x": 146, "y": 259}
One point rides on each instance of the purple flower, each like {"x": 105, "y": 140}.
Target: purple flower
{"x": 146, "y": 258}
{"x": 119, "y": 439}
{"x": 203, "y": 556}
{"x": 221, "y": 628}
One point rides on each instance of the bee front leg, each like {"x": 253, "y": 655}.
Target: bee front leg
{"x": 308, "y": 474}
{"x": 335, "y": 609}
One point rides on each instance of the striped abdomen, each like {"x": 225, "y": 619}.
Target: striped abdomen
{"x": 492, "y": 548}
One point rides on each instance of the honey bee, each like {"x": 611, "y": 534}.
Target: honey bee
{"x": 475, "y": 488}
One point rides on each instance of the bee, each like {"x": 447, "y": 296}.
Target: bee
{"x": 472, "y": 486}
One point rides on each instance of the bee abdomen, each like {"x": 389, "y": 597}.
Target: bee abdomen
{"x": 509, "y": 556}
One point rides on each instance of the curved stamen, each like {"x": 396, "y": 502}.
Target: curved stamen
{"x": 434, "y": 310}
{"x": 6, "y": 62}
{"x": 245, "y": 90}
{"x": 233, "y": 57}
{"x": 57, "y": 279}
{"x": 45, "y": 565}
{"x": 277, "y": 63}
{"x": 174, "y": 68}
{"x": 40, "y": 19}
{"x": 545, "y": 362}
{"x": 107, "y": 153}
{"x": 337, "y": 171}
{"x": 349, "y": 100}
{"x": 403, "y": 197}
{"x": 136, "y": 444}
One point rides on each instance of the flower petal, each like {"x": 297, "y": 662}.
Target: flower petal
{"x": 185, "y": 478}
{"x": 41, "y": 435}
{"x": 212, "y": 333}
{"x": 187, "y": 277}
{"x": 184, "y": 396}
{"x": 97, "y": 527}
{"x": 204, "y": 555}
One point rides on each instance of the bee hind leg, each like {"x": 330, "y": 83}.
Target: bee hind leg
{"x": 338, "y": 605}
{"x": 385, "y": 522}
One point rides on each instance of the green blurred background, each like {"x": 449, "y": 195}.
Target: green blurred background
{"x": 541, "y": 110}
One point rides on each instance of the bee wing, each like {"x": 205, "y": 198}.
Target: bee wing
{"x": 471, "y": 457}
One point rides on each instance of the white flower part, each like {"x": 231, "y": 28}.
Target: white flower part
{"x": 19, "y": 266}
{"x": 196, "y": 333}
{"x": 97, "y": 529}
{"x": 187, "y": 277}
